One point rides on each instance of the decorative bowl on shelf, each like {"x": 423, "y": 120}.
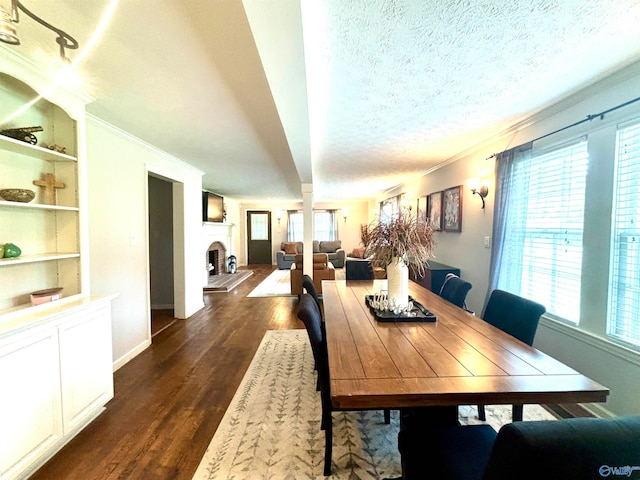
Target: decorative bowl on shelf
{"x": 17, "y": 195}
{"x": 45, "y": 296}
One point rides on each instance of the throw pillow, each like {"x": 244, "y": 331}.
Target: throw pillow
{"x": 290, "y": 248}
{"x": 358, "y": 252}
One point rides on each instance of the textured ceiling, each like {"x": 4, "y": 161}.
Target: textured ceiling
{"x": 352, "y": 96}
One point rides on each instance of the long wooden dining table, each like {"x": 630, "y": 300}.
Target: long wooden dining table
{"x": 457, "y": 360}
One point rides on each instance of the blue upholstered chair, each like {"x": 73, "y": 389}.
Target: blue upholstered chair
{"x": 455, "y": 290}
{"x": 309, "y": 313}
{"x": 570, "y": 449}
{"x": 516, "y": 316}
{"x": 310, "y": 288}
{"x": 513, "y": 314}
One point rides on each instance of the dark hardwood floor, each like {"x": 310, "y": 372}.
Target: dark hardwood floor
{"x": 160, "y": 320}
{"x": 170, "y": 399}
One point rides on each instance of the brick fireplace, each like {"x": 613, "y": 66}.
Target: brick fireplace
{"x": 216, "y": 258}
{"x": 217, "y": 244}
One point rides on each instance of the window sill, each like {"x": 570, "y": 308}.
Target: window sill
{"x": 608, "y": 345}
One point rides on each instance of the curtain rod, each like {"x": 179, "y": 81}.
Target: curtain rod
{"x": 584, "y": 120}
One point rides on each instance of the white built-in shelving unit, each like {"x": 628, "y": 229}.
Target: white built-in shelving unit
{"x": 56, "y": 368}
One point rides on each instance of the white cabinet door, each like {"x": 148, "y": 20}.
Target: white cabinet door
{"x": 85, "y": 365}
{"x": 30, "y": 410}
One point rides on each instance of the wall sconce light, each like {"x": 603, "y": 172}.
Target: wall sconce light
{"x": 478, "y": 187}
{"x": 376, "y": 212}
{"x": 279, "y": 216}
{"x": 345, "y": 214}
{"x": 8, "y": 33}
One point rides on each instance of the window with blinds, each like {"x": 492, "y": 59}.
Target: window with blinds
{"x": 295, "y": 227}
{"x": 624, "y": 297}
{"x": 325, "y": 226}
{"x": 542, "y": 255}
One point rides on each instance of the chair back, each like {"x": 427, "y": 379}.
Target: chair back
{"x": 455, "y": 290}
{"x": 571, "y": 449}
{"x": 514, "y": 315}
{"x": 310, "y": 288}
{"x": 309, "y": 313}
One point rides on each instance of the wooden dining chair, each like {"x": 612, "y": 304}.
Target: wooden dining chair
{"x": 309, "y": 313}
{"x": 516, "y": 316}
{"x": 454, "y": 290}
{"x": 569, "y": 449}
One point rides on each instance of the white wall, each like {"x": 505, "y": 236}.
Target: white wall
{"x": 587, "y": 349}
{"x": 117, "y": 171}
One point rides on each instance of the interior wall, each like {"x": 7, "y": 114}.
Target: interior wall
{"x": 117, "y": 170}
{"x": 587, "y": 349}
{"x": 161, "y": 243}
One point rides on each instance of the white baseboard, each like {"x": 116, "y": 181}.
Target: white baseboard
{"x": 131, "y": 354}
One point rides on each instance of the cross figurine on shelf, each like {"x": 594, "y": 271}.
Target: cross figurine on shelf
{"x": 49, "y": 184}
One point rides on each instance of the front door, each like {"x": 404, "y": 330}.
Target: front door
{"x": 259, "y": 237}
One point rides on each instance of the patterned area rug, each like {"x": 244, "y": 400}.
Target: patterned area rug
{"x": 271, "y": 429}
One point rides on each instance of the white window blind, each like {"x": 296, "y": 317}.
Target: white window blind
{"x": 624, "y": 296}
{"x": 295, "y": 227}
{"x": 325, "y": 226}
{"x": 542, "y": 256}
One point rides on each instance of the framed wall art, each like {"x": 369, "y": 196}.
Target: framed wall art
{"x": 435, "y": 210}
{"x": 452, "y": 209}
{"x": 422, "y": 212}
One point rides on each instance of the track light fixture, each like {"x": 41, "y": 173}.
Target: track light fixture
{"x": 8, "y": 33}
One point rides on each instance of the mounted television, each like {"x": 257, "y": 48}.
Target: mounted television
{"x": 212, "y": 207}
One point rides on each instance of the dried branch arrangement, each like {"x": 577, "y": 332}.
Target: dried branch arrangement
{"x": 402, "y": 236}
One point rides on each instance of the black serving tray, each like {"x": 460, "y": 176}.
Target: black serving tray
{"x": 421, "y": 313}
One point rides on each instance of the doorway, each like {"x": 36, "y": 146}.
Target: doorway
{"x": 259, "y": 237}
{"x": 161, "y": 275}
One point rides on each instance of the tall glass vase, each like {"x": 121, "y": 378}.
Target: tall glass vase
{"x": 398, "y": 282}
